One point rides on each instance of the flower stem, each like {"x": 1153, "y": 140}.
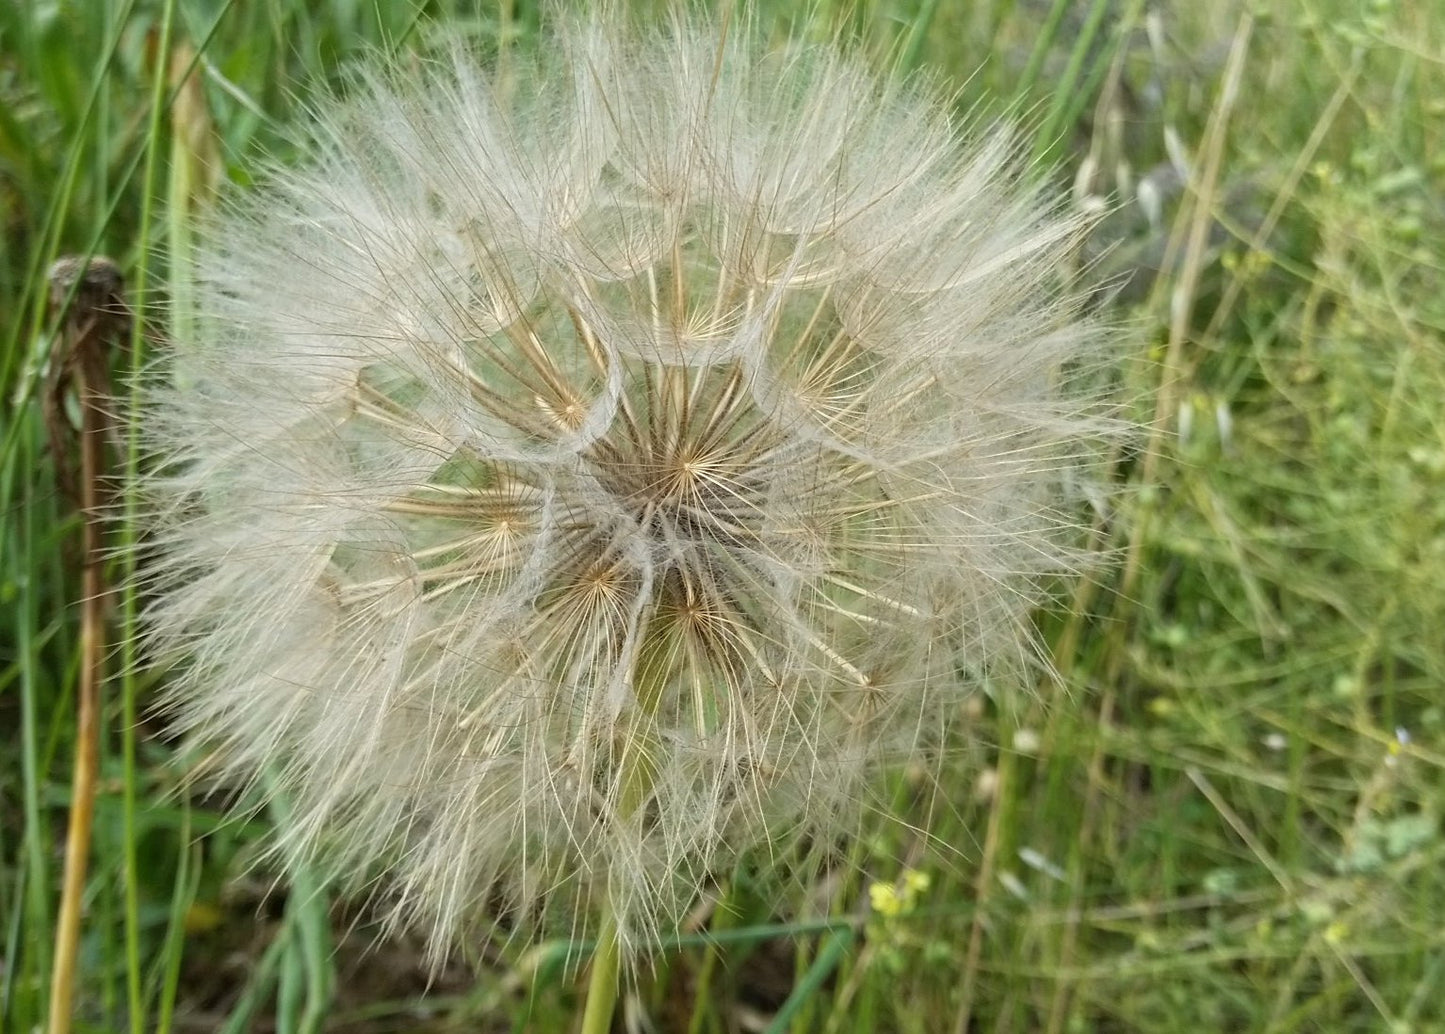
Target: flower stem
{"x": 602, "y": 985}
{"x": 635, "y": 780}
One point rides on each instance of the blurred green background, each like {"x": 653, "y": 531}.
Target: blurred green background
{"x": 1224, "y": 815}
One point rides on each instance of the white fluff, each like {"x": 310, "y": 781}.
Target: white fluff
{"x": 680, "y": 426}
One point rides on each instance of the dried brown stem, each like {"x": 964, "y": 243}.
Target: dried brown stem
{"x": 95, "y": 317}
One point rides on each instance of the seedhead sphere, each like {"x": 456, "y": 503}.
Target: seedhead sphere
{"x": 579, "y": 479}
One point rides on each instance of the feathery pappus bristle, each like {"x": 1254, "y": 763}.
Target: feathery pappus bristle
{"x": 576, "y": 484}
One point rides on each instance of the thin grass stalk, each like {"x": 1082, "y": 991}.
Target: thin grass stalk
{"x": 1063, "y": 995}
{"x": 1043, "y": 42}
{"x": 983, "y": 885}
{"x": 160, "y": 103}
{"x": 187, "y": 882}
{"x": 1191, "y": 232}
{"x": 34, "y": 871}
{"x": 722, "y": 918}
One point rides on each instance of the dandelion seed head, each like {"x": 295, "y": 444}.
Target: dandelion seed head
{"x": 574, "y": 485}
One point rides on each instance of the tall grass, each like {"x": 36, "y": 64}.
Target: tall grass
{"x": 1225, "y": 813}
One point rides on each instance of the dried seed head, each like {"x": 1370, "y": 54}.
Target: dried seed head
{"x": 567, "y": 492}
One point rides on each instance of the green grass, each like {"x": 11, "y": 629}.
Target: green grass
{"x": 1226, "y": 814}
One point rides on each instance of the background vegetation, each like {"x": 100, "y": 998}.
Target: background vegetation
{"x": 1226, "y": 813}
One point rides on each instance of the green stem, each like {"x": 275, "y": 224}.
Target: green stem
{"x": 602, "y": 985}
{"x": 636, "y": 776}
